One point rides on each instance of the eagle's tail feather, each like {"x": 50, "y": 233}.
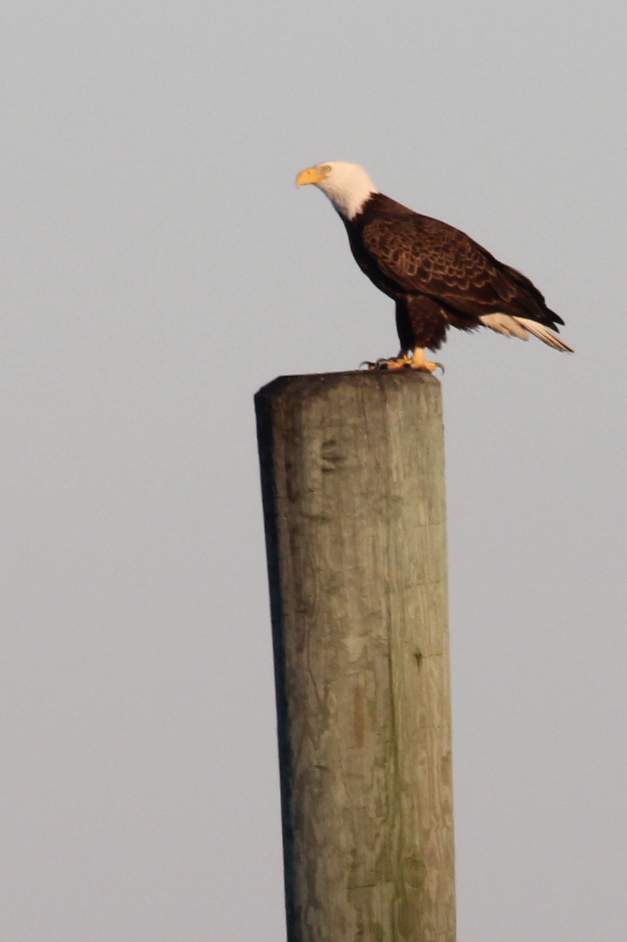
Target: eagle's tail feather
{"x": 504, "y": 324}
{"x": 521, "y": 327}
{"x": 544, "y": 334}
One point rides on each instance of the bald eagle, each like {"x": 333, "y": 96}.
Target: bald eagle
{"x": 436, "y": 275}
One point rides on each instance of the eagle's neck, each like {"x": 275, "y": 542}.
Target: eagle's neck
{"x": 349, "y": 196}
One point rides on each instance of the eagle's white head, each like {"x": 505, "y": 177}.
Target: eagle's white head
{"x": 348, "y": 186}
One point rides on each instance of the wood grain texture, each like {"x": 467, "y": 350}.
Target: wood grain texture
{"x": 352, "y": 468}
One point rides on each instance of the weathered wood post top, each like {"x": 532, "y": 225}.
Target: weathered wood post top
{"x": 352, "y": 471}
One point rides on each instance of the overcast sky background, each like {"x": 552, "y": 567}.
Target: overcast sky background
{"x": 158, "y": 266}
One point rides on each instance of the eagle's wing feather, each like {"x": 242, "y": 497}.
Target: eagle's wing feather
{"x": 426, "y": 256}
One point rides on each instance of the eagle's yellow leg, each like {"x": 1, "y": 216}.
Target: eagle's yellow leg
{"x": 418, "y": 361}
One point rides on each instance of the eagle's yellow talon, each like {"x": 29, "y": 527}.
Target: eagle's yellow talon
{"x": 404, "y": 362}
{"x": 393, "y": 363}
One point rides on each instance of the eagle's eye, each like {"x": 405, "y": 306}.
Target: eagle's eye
{"x": 326, "y": 169}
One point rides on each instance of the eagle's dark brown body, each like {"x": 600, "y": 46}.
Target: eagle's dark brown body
{"x": 436, "y": 274}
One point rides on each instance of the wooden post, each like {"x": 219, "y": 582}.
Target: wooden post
{"x": 352, "y": 469}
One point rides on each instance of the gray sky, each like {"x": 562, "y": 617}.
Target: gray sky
{"x": 157, "y": 267}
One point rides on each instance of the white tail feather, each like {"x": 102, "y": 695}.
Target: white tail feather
{"x": 544, "y": 334}
{"x": 504, "y": 324}
{"x": 520, "y": 327}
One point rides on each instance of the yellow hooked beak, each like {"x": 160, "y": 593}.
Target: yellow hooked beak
{"x": 311, "y": 175}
